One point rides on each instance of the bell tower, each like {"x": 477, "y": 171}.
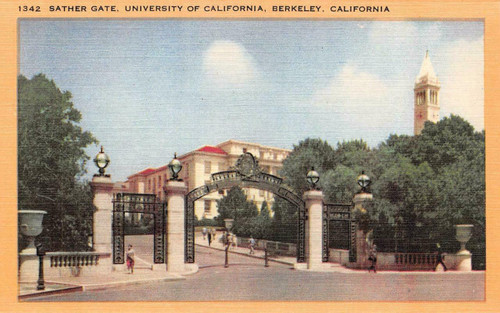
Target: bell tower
{"x": 426, "y": 100}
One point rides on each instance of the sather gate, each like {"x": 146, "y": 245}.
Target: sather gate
{"x": 314, "y": 216}
{"x": 246, "y": 174}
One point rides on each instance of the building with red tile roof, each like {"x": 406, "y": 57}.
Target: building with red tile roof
{"x": 199, "y": 164}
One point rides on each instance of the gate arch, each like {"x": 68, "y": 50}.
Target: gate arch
{"x": 246, "y": 174}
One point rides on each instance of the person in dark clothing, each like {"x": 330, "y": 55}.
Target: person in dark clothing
{"x": 440, "y": 258}
{"x": 209, "y": 234}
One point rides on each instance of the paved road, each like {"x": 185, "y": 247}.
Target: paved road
{"x": 248, "y": 279}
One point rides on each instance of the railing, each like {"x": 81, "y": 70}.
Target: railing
{"x": 273, "y": 247}
{"x": 416, "y": 260}
{"x": 73, "y": 259}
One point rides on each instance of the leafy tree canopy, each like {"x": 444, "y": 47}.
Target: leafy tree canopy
{"x": 422, "y": 185}
{"x": 51, "y": 159}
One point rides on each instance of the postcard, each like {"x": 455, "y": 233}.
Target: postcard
{"x": 242, "y": 156}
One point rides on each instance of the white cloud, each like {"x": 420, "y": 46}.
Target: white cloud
{"x": 362, "y": 104}
{"x": 354, "y": 91}
{"x": 228, "y": 64}
{"x": 462, "y": 81}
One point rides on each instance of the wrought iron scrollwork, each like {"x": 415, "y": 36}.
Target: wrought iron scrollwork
{"x": 339, "y": 212}
{"x": 352, "y": 236}
{"x": 118, "y": 232}
{"x": 138, "y": 203}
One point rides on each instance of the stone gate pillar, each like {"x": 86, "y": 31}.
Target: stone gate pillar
{"x": 314, "y": 236}
{"x": 176, "y": 192}
{"x": 362, "y": 249}
{"x": 102, "y": 187}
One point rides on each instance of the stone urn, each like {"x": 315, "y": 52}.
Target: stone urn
{"x": 464, "y": 257}
{"x": 30, "y": 225}
{"x": 463, "y": 235}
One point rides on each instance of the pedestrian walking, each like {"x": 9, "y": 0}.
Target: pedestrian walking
{"x": 204, "y": 233}
{"x": 440, "y": 258}
{"x": 373, "y": 258}
{"x": 214, "y": 234}
{"x": 252, "y": 245}
{"x": 209, "y": 236}
{"x": 130, "y": 259}
{"x": 233, "y": 240}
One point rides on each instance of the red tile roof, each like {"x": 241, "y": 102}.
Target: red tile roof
{"x": 211, "y": 149}
{"x": 147, "y": 171}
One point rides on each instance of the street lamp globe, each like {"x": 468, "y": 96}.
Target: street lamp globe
{"x": 312, "y": 178}
{"x": 175, "y": 167}
{"x": 101, "y": 160}
{"x": 364, "y": 181}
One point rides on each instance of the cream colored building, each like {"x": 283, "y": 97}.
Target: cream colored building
{"x": 426, "y": 90}
{"x": 198, "y": 165}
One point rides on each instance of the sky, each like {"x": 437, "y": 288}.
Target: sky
{"x": 149, "y": 88}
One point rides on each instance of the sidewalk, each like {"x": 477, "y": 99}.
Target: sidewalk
{"x": 326, "y": 267}
{"x": 259, "y": 254}
{"x": 117, "y": 278}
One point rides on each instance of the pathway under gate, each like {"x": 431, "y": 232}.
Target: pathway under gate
{"x": 246, "y": 174}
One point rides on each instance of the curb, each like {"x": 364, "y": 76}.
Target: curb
{"x": 50, "y": 292}
{"x": 99, "y": 286}
{"x": 102, "y": 286}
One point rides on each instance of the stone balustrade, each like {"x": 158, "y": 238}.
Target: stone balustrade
{"x": 399, "y": 261}
{"x": 67, "y": 264}
{"x": 415, "y": 261}
{"x": 66, "y": 259}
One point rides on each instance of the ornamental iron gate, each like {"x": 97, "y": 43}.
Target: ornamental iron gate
{"x": 339, "y": 212}
{"x": 138, "y": 203}
{"x": 246, "y": 174}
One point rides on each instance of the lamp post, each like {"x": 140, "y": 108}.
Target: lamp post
{"x": 40, "y": 251}
{"x": 228, "y": 224}
{"x": 101, "y": 160}
{"x": 364, "y": 181}
{"x": 313, "y": 179}
{"x": 175, "y": 167}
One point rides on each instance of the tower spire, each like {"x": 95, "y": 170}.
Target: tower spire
{"x": 426, "y": 101}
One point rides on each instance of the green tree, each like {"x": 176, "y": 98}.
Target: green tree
{"x": 236, "y": 206}
{"x": 51, "y": 161}
{"x": 433, "y": 181}
{"x": 262, "y": 224}
{"x": 307, "y": 154}
{"x": 285, "y": 221}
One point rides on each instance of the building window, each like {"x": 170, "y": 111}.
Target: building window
{"x": 207, "y": 206}
{"x": 159, "y": 181}
{"x": 261, "y": 193}
{"x": 208, "y": 167}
